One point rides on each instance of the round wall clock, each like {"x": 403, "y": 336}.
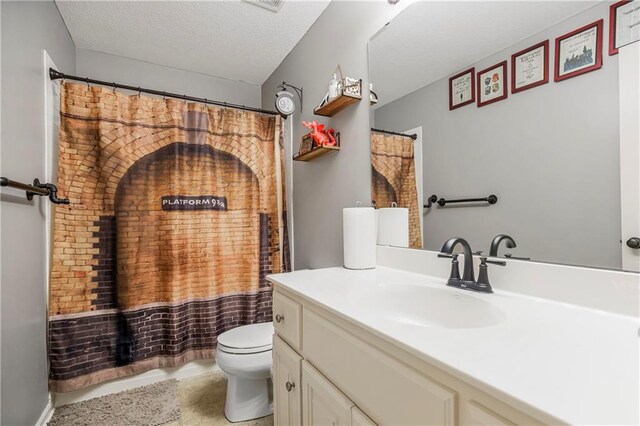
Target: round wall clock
{"x": 284, "y": 103}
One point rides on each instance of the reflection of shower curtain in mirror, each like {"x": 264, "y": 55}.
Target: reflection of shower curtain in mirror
{"x": 177, "y": 215}
{"x": 393, "y": 178}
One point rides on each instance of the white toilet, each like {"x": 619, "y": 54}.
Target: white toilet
{"x": 244, "y": 355}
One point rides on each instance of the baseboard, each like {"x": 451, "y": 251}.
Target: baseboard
{"x": 46, "y": 413}
{"x": 194, "y": 368}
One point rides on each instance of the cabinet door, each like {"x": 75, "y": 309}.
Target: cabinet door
{"x": 358, "y": 418}
{"x": 287, "y": 390}
{"x": 481, "y": 416}
{"x": 322, "y": 403}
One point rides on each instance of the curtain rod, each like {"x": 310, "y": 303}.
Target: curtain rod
{"x": 56, "y": 75}
{"x": 388, "y": 132}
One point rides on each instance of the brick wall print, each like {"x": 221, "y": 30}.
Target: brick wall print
{"x": 393, "y": 178}
{"x": 137, "y": 284}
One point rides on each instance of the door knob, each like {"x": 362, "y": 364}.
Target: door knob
{"x": 290, "y": 386}
{"x": 279, "y": 318}
{"x": 633, "y": 243}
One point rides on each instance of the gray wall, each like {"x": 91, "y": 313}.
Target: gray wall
{"x": 550, "y": 154}
{"x": 28, "y": 28}
{"x": 102, "y": 66}
{"x": 323, "y": 187}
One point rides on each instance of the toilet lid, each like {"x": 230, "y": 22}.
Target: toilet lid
{"x": 253, "y": 336}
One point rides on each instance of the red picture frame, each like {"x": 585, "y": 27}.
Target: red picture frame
{"x": 612, "y": 26}
{"x": 471, "y": 71}
{"x": 545, "y": 78}
{"x": 505, "y": 85}
{"x": 598, "y": 61}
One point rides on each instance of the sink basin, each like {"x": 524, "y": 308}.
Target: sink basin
{"x": 422, "y": 306}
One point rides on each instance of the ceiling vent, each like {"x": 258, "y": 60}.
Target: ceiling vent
{"x": 272, "y": 5}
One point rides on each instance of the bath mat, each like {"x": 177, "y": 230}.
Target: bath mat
{"x": 155, "y": 404}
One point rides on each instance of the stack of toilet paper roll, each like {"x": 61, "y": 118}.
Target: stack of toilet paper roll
{"x": 359, "y": 237}
{"x": 393, "y": 227}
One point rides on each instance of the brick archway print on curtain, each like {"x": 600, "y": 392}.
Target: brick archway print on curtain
{"x": 177, "y": 215}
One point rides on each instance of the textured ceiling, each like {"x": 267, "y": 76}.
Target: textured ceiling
{"x": 432, "y": 40}
{"x": 230, "y": 39}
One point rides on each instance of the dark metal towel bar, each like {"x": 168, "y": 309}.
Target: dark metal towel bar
{"x": 491, "y": 199}
{"x": 42, "y": 189}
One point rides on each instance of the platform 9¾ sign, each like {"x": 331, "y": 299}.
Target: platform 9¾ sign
{"x": 197, "y": 202}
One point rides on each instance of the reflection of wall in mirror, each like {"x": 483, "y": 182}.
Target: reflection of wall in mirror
{"x": 551, "y": 155}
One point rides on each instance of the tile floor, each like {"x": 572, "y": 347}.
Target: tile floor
{"x": 202, "y": 402}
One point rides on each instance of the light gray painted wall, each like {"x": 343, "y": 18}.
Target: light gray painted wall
{"x": 103, "y": 66}
{"x": 323, "y": 187}
{"x": 28, "y": 28}
{"x": 550, "y": 154}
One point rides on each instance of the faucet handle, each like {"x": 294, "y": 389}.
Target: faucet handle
{"x": 455, "y": 269}
{"x": 483, "y": 276}
{"x": 510, "y": 256}
{"x": 448, "y": 256}
{"x": 484, "y": 260}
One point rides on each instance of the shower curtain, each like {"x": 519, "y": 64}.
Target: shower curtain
{"x": 177, "y": 215}
{"x": 393, "y": 178}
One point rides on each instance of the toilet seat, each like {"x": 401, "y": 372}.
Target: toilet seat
{"x": 247, "y": 339}
{"x": 243, "y": 351}
{"x": 245, "y": 356}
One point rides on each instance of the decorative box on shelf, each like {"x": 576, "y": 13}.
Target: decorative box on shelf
{"x": 350, "y": 93}
{"x": 309, "y": 152}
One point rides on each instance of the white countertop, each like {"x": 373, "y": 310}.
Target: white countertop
{"x": 578, "y": 365}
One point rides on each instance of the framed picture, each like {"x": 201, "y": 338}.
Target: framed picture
{"x": 492, "y": 84}
{"x": 624, "y": 24}
{"x": 579, "y": 51}
{"x": 462, "y": 89}
{"x": 530, "y": 67}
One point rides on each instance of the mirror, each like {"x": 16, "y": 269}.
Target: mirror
{"x": 478, "y": 136}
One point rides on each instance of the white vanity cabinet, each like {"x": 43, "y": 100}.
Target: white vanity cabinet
{"x": 322, "y": 402}
{"x": 330, "y": 371}
{"x": 287, "y": 388}
{"x": 358, "y": 418}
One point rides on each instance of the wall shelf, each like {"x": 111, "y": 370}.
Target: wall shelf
{"x": 336, "y": 105}
{"x": 316, "y": 152}
{"x": 350, "y": 95}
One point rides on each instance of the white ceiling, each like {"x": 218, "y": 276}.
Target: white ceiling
{"x": 230, "y": 39}
{"x": 432, "y": 40}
